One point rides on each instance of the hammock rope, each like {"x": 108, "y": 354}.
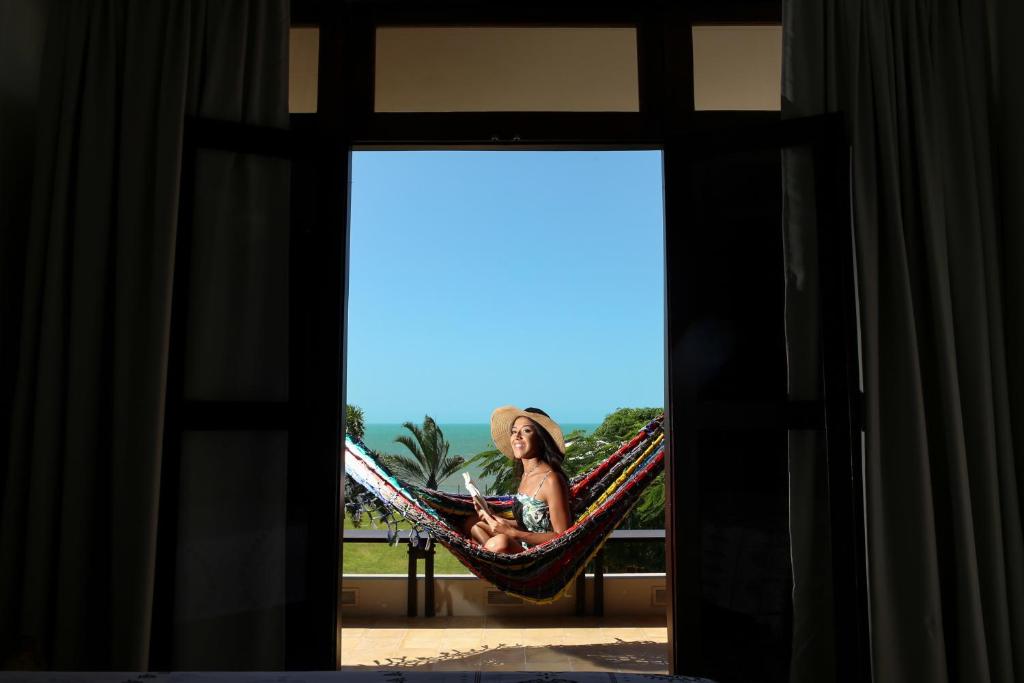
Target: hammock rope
{"x": 600, "y": 499}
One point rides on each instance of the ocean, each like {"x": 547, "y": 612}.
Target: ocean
{"x": 466, "y": 440}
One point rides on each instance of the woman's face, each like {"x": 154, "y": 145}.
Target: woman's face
{"x": 525, "y": 439}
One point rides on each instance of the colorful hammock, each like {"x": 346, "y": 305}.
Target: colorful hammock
{"x": 600, "y": 500}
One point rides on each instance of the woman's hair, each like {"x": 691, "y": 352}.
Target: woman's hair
{"x": 549, "y": 452}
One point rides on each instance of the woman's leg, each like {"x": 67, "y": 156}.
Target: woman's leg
{"x": 500, "y": 543}
{"x": 473, "y": 528}
{"x": 480, "y": 532}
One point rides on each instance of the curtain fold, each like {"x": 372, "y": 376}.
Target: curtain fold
{"x": 927, "y": 87}
{"x": 81, "y": 487}
{"x": 22, "y": 35}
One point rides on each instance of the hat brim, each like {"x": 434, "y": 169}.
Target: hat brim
{"x": 501, "y": 428}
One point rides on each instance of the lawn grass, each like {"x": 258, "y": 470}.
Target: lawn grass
{"x": 380, "y": 558}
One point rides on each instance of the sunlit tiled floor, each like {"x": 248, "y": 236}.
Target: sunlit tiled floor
{"x": 618, "y": 644}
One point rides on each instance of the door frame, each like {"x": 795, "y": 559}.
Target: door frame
{"x": 345, "y": 120}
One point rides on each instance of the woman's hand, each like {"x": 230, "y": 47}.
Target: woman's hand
{"x": 498, "y": 525}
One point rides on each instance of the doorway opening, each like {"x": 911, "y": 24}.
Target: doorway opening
{"x": 486, "y": 278}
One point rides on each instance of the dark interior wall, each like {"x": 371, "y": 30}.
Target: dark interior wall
{"x": 22, "y": 35}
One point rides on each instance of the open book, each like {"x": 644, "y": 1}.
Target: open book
{"x": 475, "y": 492}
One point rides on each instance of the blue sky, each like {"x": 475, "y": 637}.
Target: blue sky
{"x": 483, "y": 278}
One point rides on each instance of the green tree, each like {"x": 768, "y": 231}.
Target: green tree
{"x": 496, "y": 467}
{"x": 583, "y": 451}
{"x": 355, "y": 421}
{"x": 624, "y": 423}
{"x": 430, "y": 462}
{"x": 588, "y": 450}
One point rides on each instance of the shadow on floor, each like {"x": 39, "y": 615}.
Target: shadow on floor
{"x": 636, "y": 656}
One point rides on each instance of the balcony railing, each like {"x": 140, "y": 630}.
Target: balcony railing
{"x": 418, "y": 552}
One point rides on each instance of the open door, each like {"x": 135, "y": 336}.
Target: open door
{"x": 764, "y": 426}
{"x": 248, "y": 481}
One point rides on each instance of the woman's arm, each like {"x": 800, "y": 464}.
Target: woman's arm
{"x": 483, "y": 515}
{"x": 558, "y": 505}
{"x": 555, "y": 493}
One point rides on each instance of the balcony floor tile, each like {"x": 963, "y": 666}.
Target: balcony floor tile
{"x": 506, "y": 643}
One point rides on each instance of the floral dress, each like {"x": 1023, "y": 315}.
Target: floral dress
{"x": 532, "y": 513}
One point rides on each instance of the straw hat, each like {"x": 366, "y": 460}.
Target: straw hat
{"x": 501, "y": 427}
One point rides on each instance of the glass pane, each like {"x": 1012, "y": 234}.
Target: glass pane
{"x": 810, "y": 532}
{"x": 738, "y": 202}
{"x": 740, "y": 355}
{"x": 230, "y": 575}
{"x": 811, "y": 540}
{"x": 303, "y": 69}
{"x": 446, "y": 69}
{"x": 737, "y": 68}
{"x": 237, "y": 346}
{"x": 746, "y": 577}
{"x": 803, "y": 305}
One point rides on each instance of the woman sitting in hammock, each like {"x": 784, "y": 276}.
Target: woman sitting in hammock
{"x": 534, "y": 441}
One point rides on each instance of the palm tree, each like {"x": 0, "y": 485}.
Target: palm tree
{"x": 355, "y": 421}
{"x": 496, "y": 468}
{"x": 430, "y": 462}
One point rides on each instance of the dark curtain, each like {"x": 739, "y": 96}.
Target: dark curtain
{"x": 22, "y": 34}
{"x": 932, "y": 97}
{"x": 81, "y": 472}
